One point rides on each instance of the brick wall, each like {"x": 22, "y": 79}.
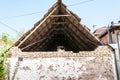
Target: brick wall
{"x": 62, "y": 65}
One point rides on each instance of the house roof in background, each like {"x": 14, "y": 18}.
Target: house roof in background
{"x": 101, "y": 31}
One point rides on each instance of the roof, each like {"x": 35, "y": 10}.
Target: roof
{"x": 115, "y": 26}
{"x": 58, "y": 27}
{"x": 101, "y": 31}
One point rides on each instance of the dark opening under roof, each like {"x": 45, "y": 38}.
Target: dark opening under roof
{"x": 58, "y": 27}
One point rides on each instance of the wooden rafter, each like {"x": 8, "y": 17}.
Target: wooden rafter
{"x": 59, "y": 1}
{"x": 82, "y": 32}
{"x": 37, "y": 27}
{"x": 59, "y": 24}
{"x": 76, "y": 38}
{"x": 60, "y": 15}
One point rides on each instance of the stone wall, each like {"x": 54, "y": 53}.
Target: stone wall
{"x": 62, "y": 65}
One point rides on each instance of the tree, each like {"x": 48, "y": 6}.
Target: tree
{"x": 4, "y": 46}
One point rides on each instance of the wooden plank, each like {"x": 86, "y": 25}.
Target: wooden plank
{"x": 76, "y": 18}
{"x": 76, "y": 38}
{"x": 59, "y": 23}
{"x": 71, "y": 38}
{"x": 59, "y": 0}
{"x": 60, "y": 15}
{"x": 88, "y": 36}
{"x": 46, "y": 32}
{"x": 37, "y": 27}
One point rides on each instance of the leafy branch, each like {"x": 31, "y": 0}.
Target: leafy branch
{"x": 4, "y": 46}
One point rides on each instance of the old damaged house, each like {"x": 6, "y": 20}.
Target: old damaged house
{"x": 59, "y": 47}
{"x": 109, "y": 34}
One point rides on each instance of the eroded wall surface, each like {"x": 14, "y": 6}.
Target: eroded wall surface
{"x": 61, "y": 65}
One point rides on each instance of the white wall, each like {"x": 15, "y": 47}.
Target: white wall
{"x": 85, "y": 65}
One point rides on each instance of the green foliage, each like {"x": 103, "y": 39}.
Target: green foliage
{"x": 5, "y": 37}
{"x": 4, "y": 46}
{"x": 2, "y": 68}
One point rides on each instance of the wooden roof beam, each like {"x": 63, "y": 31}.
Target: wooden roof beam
{"x": 60, "y": 15}
{"x": 49, "y": 35}
{"x": 87, "y": 35}
{"x": 37, "y": 27}
{"x": 75, "y": 37}
{"x": 71, "y": 38}
{"x": 74, "y": 16}
{"x": 59, "y": 1}
{"x": 59, "y": 23}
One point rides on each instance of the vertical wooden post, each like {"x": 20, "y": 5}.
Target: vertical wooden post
{"x": 59, "y": 6}
{"x": 59, "y": 1}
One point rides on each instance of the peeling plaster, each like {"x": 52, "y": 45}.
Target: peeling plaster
{"x": 54, "y": 68}
{"x": 65, "y": 68}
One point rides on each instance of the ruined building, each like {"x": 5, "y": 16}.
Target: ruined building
{"x": 59, "y": 47}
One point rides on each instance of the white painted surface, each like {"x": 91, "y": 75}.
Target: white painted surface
{"x": 115, "y": 46}
{"x": 85, "y": 65}
{"x": 62, "y": 68}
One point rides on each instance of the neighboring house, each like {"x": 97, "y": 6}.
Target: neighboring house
{"x": 59, "y": 47}
{"x": 102, "y": 34}
{"x": 111, "y": 35}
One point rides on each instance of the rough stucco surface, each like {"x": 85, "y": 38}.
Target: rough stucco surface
{"x": 72, "y": 66}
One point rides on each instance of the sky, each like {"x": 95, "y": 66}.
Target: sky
{"x": 20, "y": 15}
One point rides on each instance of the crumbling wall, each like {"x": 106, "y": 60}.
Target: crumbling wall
{"x": 62, "y": 65}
